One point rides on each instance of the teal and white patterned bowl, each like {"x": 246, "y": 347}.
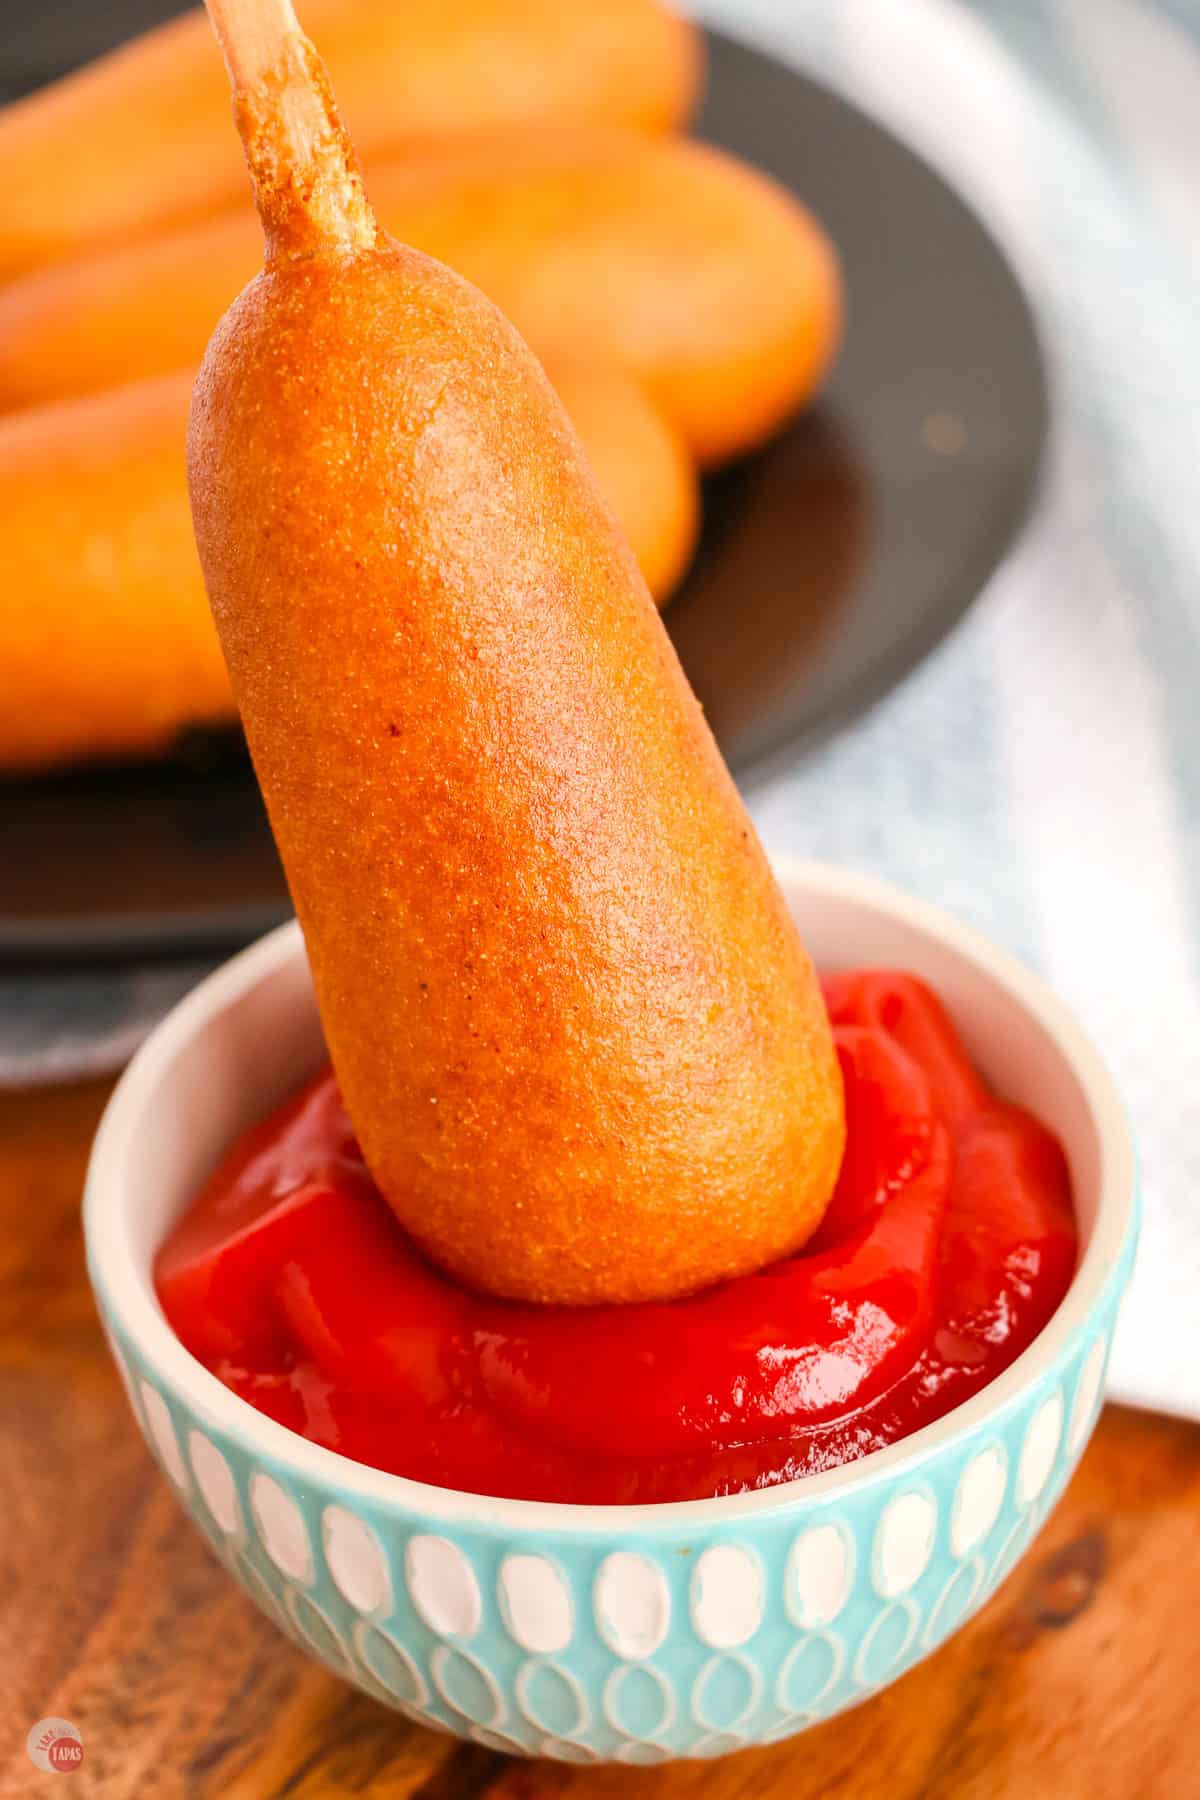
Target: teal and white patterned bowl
{"x": 628, "y": 1633}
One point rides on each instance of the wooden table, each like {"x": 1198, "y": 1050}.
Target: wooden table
{"x": 1079, "y": 1680}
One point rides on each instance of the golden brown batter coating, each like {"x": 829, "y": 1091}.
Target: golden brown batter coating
{"x": 578, "y": 1035}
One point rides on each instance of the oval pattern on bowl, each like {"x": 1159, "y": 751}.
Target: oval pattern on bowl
{"x": 162, "y": 1434}
{"x": 978, "y": 1499}
{"x": 1014, "y": 1545}
{"x": 390, "y": 1664}
{"x": 642, "y": 1754}
{"x": 1087, "y": 1393}
{"x": 442, "y": 1586}
{"x": 318, "y": 1630}
{"x": 552, "y": 1699}
{"x": 904, "y": 1542}
{"x": 535, "y": 1603}
{"x": 808, "y": 1672}
{"x": 564, "y": 1750}
{"x": 718, "y": 1743}
{"x": 696, "y": 1648}
{"x": 632, "y": 1604}
{"x": 887, "y": 1642}
{"x": 727, "y": 1692}
{"x": 468, "y": 1686}
{"x": 639, "y": 1702}
{"x": 497, "y": 1740}
{"x": 215, "y": 1480}
{"x": 727, "y": 1596}
{"x": 819, "y": 1572}
{"x": 1040, "y": 1449}
{"x": 955, "y": 1601}
{"x": 355, "y": 1560}
{"x": 281, "y": 1528}
{"x": 261, "y": 1591}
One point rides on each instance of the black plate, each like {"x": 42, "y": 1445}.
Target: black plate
{"x": 831, "y": 561}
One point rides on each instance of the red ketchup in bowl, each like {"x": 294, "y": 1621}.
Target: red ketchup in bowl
{"x": 949, "y": 1242}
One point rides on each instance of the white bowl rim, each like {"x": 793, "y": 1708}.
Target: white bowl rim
{"x": 130, "y": 1291}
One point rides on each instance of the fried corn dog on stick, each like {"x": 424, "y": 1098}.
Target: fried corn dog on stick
{"x": 582, "y": 1045}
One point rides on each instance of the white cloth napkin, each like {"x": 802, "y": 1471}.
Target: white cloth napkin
{"x": 1040, "y": 775}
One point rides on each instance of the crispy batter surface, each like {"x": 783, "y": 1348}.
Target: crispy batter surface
{"x": 576, "y": 1030}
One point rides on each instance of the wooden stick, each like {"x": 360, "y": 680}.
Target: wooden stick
{"x": 307, "y": 184}
{"x": 252, "y": 34}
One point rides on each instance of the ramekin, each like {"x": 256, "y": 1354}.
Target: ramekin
{"x": 636, "y": 1633}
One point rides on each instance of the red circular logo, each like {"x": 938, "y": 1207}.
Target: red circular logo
{"x": 55, "y": 1746}
{"x": 64, "y": 1753}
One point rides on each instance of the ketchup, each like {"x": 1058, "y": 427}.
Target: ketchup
{"x": 946, "y": 1247}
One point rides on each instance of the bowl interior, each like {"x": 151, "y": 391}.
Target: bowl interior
{"x": 223, "y": 1066}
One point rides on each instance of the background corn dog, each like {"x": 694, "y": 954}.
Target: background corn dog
{"x": 642, "y": 464}
{"x": 663, "y": 256}
{"x": 142, "y": 135}
{"x": 686, "y": 265}
{"x": 107, "y": 645}
{"x": 578, "y": 1036}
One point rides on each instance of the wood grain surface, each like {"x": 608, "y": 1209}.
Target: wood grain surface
{"x": 1079, "y": 1681}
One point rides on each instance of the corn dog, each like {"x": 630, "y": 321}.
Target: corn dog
{"x": 580, "y": 1041}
